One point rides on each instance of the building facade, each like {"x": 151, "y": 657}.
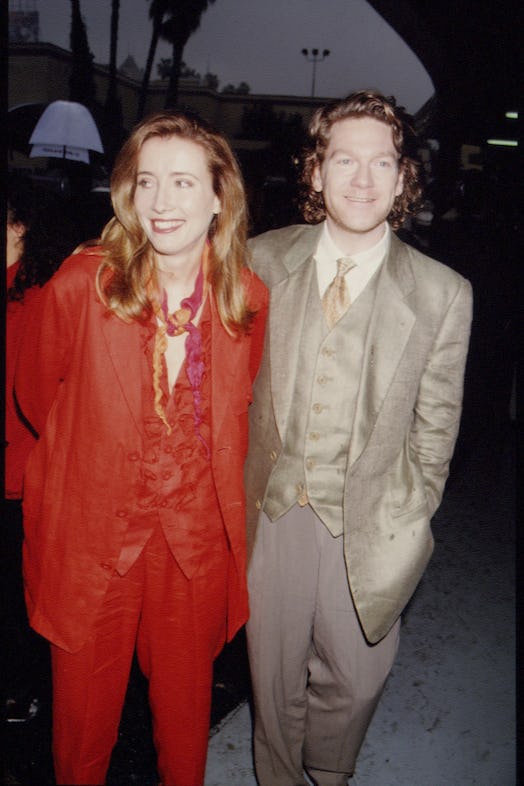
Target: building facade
{"x": 39, "y": 73}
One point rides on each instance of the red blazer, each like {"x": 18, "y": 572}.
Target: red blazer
{"x": 77, "y": 383}
{"x": 19, "y": 439}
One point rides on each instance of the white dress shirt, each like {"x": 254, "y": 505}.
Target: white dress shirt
{"x": 366, "y": 262}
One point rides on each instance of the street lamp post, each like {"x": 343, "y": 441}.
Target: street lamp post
{"x": 315, "y": 58}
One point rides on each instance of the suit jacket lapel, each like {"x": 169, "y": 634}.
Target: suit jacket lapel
{"x": 391, "y": 323}
{"x": 124, "y": 348}
{"x": 223, "y": 367}
{"x": 287, "y": 314}
{"x": 286, "y": 317}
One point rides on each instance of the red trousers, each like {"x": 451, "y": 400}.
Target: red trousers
{"x": 178, "y": 628}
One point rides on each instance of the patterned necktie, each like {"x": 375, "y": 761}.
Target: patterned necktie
{"x": 336, "y": 300}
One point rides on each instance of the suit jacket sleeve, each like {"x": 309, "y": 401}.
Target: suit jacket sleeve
{"x": 439, "y": 401}
{"x": 43, "y": 359}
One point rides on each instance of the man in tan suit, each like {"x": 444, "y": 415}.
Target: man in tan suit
{"x": 355, "y": 415}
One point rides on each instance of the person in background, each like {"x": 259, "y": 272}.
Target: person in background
{"x": 145, "y": 349}
{"x": 354, "y": 419}
{"x": 39, "y": 235}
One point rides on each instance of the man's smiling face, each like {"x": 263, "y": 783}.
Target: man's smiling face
{"x": 359, "y": 179}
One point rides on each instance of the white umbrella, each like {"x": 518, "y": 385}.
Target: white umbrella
{"x": 66, "y": 129}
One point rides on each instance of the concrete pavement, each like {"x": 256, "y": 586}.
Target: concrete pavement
{"x": 447, "y": 715}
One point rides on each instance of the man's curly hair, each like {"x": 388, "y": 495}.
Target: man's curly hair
{"x": 364, "y": 103}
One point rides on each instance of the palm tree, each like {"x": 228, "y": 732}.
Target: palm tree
{"x": 81, "y": 82}
{"x": 111, "y": 90}
{"x": 183, "y": 21}
{"x": 174, "y": 20}
{"x": 157, "y": 11}
{"x": 112, "y": 118}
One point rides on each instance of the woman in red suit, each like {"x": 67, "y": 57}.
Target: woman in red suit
{"x": 137, "y": 377}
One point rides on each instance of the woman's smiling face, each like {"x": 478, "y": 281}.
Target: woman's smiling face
{"x": 174, "y": 199}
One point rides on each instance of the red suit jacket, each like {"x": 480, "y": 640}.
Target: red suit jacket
{"x": 19, "y": 439}
{"x": 77, "y": 382}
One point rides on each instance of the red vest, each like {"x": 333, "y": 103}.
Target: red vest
{"x": 175, "y": 487}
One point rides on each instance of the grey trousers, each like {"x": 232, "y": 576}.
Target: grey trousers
{"x": 316, "y": 681}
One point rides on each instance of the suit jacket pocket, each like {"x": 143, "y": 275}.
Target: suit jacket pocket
{"x": 406, "y": 487}
{"x": 416, "y": 510}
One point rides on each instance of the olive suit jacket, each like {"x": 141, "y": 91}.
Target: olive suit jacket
{"x": 406, "y": 417}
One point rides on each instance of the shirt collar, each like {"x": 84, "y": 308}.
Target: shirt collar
{"x": 327, "y": 249}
